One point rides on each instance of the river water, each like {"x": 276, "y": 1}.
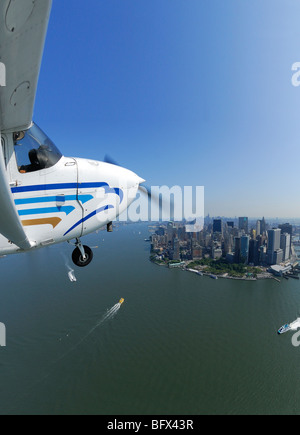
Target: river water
{"x": 179, "y": 344}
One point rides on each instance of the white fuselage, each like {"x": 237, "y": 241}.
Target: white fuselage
{"x": 73, "y": 198}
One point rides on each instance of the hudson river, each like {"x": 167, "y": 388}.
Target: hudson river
{"x": 180, "y": 343}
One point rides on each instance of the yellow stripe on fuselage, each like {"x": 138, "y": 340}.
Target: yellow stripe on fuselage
{"x": 54, "y": 221}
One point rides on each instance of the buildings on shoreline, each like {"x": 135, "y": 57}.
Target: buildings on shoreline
{"x": 238, "y": 241}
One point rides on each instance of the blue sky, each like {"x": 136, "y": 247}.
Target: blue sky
{"x": 183, "y": 92}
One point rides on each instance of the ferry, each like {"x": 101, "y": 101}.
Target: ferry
{"x": 121, "y": 301}
{"x": 283, "y": 329}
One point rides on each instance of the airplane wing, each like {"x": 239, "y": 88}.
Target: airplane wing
{"x": 23, "y": 27}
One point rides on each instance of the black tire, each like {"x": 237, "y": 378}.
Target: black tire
{"x": 77, "y": 257}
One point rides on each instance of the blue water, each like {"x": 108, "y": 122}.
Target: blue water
{"x": 180, "y": 343}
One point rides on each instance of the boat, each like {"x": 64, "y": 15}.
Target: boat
{"x": 283, "y": 329}
{"x": 121, "y": 301}
{"x": 71, "y": 276}
{"x": 214, "y": 276}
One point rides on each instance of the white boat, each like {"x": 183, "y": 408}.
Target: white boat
{"x": 71, "y": 276}
{"x": 283, "y": 329}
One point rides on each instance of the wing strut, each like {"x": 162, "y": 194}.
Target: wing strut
{"x": 10, "y": 224}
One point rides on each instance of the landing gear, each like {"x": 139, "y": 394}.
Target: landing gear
{"x": 82, "y": 255}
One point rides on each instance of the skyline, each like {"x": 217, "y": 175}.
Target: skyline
{"x": 181, "y": 93}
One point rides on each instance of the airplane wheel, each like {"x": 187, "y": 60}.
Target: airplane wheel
{"x": 77, "y": 257}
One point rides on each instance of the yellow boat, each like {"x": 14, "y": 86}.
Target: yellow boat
{"x": 121, "y": 301}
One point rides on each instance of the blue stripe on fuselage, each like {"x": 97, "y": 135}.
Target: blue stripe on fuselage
{"x": 64, "y": 209}
{"x": 46, "y": 187}
{"x": 94, "y": 213}
{"x": 82, "y": 198}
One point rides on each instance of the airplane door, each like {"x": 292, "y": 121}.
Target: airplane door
{"x": 47, "y": 200}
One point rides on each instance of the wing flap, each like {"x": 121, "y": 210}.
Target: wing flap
{"x": 23, "y": 27}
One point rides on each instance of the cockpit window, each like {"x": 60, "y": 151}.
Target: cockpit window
{"x": 34, "y": 150}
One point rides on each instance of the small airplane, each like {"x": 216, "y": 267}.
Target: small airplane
{"x": 46, "y": 198}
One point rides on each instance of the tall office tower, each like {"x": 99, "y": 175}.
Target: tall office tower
{"x": 228, "y": 244}
{"x": 274, "y": 239}
{"x": 287, "y": 228}
{"x": 259, "y": 241}
{"x": 253, "y": 233}
{"x": 263, "y": 226}
{"x": 237, "y": 249}
{"x": 207, "y": 220}
{"x": 278, "y": 256}
{"x": 243, "y": 224}
{"x": 245, "y": 249}
{"x": 254, "y": 252}
{"x": 176, "y": 250}
{"x": 182, "y": 233}
{"x": 285, "y": 241}
{"x": 262, "y": 255}
{"x": 217, "y": 226}
{"x": 274, "y": 236}
{"x": 230, "y": 224}
{"x": 258, "y": 228}
{"x": 170, "y": 232}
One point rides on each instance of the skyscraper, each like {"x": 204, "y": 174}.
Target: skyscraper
{"x": 285, "y": 241}
{"x": 274, "y": 236}
{"x": 287, "y": 228}
{"x": 263, "y": 226}
{"x": 254, "y": 252}
{"x": 278, "y": 256}
{"x": 217, "y": 226}
{"x": 245, "y": 248}
{"x": 258, "y": 228}
{"x": 176, "y": 249}
{"x": 237, "y": 249}
{"x": 274, "y": 239}
{"x": 243, "y": 224}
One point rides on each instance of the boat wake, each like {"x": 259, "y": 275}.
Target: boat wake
{"x": 295, "y": 325}
{"x": 110, "y": 314}
{"x": 71, "y": 274}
